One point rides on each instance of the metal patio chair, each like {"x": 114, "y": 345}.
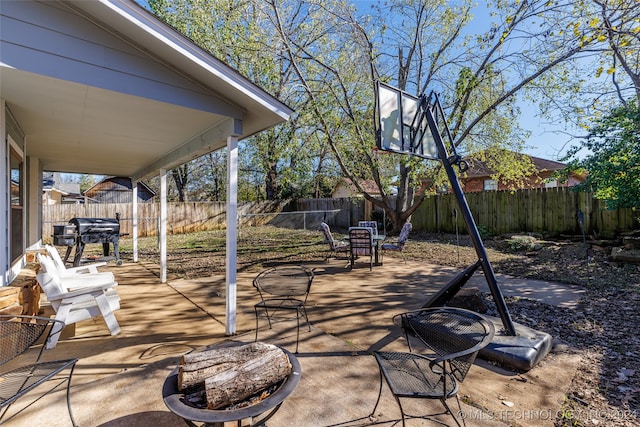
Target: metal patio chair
{"x": 455, "y": 336}
{"x": 17, "y": 334}
{"x": 335, "y": 246}
{"x": 399, "y": 245}
{"x": 361, "y": 244}
{"x": 284, "y": 288}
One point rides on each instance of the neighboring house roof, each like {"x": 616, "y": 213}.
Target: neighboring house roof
{"x": 51, "y": 181}
{"x": 479, "y": 168}
{"x": 55, "y": 190}
{"x": 69, "y": 187}
{"x": 479, "y": 174}
{"x": 54, "y": 196}
{"x": 345, "y": 185}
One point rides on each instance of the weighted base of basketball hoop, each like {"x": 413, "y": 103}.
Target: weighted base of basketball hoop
{"x": 520, "y": 352}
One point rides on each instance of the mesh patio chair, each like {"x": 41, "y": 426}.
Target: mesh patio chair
{"x": 17, "y": 334}
{"x": 335, "y": 246}
{"x": 283, "y": 288}
{"x": 455, "y": 336}
{"x": 361, "y": 244}
{"x": 399, "y": 245}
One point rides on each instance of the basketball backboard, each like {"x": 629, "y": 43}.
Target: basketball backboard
{"x": 401, "y": 126}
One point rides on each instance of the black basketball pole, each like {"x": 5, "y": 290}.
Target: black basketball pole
{"x": 489, "y": 274}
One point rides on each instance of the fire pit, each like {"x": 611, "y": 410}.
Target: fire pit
{"x": 260, "y": 411}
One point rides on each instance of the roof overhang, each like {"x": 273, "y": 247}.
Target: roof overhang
{"x": 104, "y": 87}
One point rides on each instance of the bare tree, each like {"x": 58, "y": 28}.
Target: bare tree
{"x": 337, "y": 61}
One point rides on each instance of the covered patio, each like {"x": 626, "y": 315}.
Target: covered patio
{"x": 118, "y": 380}
{"x": 104, "y": 87}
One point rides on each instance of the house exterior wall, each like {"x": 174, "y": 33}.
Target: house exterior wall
{"x": 118, "y": 190}
{"x": 51, "y": 197}
{"x": 342, "y": 191}
{"x": 476, "y": 184}
{"x": 12, "y": 134}
{"x": 4, "y": 199}
{"x": 345, "y": 188}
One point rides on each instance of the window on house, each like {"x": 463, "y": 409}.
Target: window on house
{"x": 490, "y": 185}
{"x": 551, "y": 183}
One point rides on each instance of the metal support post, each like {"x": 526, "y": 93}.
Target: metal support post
{"x": 447, "y": 163}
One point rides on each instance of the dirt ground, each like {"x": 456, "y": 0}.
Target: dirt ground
{"x": 603, "y": 329}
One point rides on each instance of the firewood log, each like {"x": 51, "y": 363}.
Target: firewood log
{"x": 246, "y": 379}
{"x": 196, "y": 367}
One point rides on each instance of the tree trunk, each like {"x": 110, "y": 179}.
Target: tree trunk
{"x": 271, "y": 182}
{"x": 181, "y": 177}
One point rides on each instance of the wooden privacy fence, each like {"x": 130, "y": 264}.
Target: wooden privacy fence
{"x": 181, "y": 217}
{"x": 201, "y": 216}
{"x": 553, "y": 210}
{"x": 547, "y": 210}
{"x": 197, "y": 216}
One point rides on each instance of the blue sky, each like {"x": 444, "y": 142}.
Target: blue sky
{"x": 548, "y": 140}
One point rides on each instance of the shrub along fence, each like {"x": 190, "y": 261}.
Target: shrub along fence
{"x": 554, "y": 210}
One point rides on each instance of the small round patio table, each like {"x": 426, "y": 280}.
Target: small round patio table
{"x": 259, "y": 412}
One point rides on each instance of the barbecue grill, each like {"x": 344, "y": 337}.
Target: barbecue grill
{"x": 81, "y": 231}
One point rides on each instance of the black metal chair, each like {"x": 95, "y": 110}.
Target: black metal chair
{"x": 361, "y": 244}
{"x": 455, "y": 336}
{"x": 283, "y": 288}
{"x": 17, "y": 334}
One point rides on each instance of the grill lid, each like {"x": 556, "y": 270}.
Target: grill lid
{"x": 96, "y": 225}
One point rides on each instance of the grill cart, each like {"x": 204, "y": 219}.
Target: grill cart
{"x": 81, "y": 231}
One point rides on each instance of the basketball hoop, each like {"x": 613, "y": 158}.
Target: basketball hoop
{"x": 401, "y": 123}
{"x": 417, "y": 126}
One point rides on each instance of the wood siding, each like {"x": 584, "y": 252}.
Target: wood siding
{"x": 54, "y": 39}
{"x": 118, "y": 190}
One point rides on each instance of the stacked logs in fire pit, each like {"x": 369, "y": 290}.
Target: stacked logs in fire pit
{"x": 228, "y": 375}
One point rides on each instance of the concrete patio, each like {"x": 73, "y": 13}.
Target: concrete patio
{"x": 118, "y": 379}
